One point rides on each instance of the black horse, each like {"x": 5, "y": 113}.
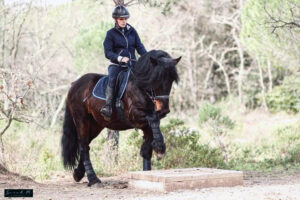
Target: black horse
{"x": 144, "y": 103}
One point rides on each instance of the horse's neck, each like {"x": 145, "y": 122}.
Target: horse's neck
{"x": 133, "y": 91}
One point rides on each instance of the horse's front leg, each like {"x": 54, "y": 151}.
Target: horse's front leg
{"x": 146, "y": 149}
{"x": 158, "y": 143}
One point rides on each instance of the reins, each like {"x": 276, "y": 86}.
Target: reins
{"x": 152, "y": 96}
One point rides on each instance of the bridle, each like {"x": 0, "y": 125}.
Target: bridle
{"x": 151, "y": 94}
{"x": 154, "y": 97}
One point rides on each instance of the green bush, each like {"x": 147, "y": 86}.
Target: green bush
{"x": 281, "y": 151}
{"x": 285, "y": 97}
{"x": 183, "y": 148}
{"x": 288, "y": 139}
{"x": 89, "y": 45}
{"x": 212, "y": 115}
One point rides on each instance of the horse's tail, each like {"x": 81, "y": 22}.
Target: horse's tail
{"x": 69, "y": 141}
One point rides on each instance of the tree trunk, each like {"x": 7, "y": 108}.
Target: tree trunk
{"x": 112, "y": 146}
{"x": 263, "y": 88}
{"x": 270, "y": 76}
{"x": 2, "y": 159}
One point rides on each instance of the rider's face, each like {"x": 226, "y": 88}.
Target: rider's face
{"x": 122, "y": 21}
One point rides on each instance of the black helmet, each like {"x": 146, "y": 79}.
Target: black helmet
{"x": 120, "y": 11}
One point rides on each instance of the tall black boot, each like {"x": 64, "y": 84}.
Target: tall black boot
{"x": 106, "y": 110}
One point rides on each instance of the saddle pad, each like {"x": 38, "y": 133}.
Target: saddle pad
{"x": 100, "y": 87}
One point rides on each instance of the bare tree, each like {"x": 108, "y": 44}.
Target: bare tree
{"x": 29, "y": 91}
{"x": 12, "y": 99}
{"x": 232, "y": 19}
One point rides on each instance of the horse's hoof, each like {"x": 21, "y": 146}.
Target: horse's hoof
{"x": 77, "y": 176}
{"x": 158, "y": 146}
{"x": 94, "y": 182}
{"x": 97, "y": 185}
{"x": 159, "y": 156}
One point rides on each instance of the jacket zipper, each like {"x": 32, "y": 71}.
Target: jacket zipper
{"x": 126, "y": 45}
{"x": 124, "y": 37}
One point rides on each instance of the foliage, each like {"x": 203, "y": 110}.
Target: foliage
{"x": 184, "y": 148}
{"x": 258, "y": 35}
{"x": 213, "y": 115}
{"x": 48, "y": 163}
{"x": 89, "y": 45}
{"x": 281, "y": 151}
{"x": 251, "y": 90}
{"x": 285, "y": 97}
{"x": 165, "y": 5}
{"x": 218, "y": 124}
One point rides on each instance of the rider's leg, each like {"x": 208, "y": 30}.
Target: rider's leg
{"x": 113, "y": 71}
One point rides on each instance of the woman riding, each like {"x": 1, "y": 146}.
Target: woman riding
{"x": 119, "y": 47}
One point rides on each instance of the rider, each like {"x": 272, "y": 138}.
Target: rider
{"x": 119, "y": 46}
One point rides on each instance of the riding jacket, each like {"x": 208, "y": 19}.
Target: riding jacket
{"x": 122, "y": 42}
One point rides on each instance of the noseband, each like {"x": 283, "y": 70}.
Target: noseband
{"x": 155, "y": 99}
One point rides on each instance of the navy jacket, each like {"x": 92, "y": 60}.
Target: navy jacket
{"x": 123, "y": 43}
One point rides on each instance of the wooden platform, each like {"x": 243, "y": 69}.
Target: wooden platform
{"x": 190, "y": 178}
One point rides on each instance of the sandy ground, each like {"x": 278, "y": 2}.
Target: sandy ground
{"x": 257, "y": 186}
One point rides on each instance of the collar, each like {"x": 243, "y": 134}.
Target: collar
{"x": 127, "y": 28}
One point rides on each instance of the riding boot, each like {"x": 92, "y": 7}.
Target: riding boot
{"x": 106, "y": 110}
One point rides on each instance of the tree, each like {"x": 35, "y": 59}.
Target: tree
{"x": 284, "y": 19}
{"x": 270, "y": 32}
{"x": 14, "y": 86}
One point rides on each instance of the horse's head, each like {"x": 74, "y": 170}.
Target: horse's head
{"x": 156, "y": 71}
{"x": 165, "y": 69}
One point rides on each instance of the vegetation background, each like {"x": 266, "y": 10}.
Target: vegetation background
{"x": 236, "y": 106}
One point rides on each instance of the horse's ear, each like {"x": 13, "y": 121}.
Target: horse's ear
{"x": 176, "y": 60}
{"x": 153, "y": 61}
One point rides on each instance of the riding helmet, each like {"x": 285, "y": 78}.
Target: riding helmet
{"x": 120, "y": 11}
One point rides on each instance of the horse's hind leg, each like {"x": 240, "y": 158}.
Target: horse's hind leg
{"x": 86, "y": 134}
{"x": 79, "y": 172}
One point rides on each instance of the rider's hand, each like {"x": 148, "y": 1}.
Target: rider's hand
{"x": 125, "y": 59}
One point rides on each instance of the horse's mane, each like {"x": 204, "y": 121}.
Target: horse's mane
{"x": 148, "y": 76}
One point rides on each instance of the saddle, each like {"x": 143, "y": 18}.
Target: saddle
{"x": 122, "y": 81}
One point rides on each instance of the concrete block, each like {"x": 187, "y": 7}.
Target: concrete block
{"x": 180, "y": 179}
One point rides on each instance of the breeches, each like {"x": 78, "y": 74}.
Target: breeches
{"x": 113, "y": 71}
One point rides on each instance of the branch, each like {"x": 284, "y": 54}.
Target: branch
{"x": 129, "y": 3}
{"x": 277, "y": 23}
{"x": 61, "y": 105}
{"x": 10, "y": 118}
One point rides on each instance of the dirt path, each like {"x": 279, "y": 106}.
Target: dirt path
{"x": 257, "y": 186}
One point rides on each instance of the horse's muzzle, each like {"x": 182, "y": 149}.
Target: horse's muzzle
{"x": 159, "y": 156}
{"x": 163, "y": 113}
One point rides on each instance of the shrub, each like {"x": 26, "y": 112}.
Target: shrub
{"x": 183, "y": 148}
{"x": 285, "y": 97}
{"x": 218, "y": 124}
{"x": 282, "y": 151}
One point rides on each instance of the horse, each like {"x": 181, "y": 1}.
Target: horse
{"x": 144, "y": 103}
